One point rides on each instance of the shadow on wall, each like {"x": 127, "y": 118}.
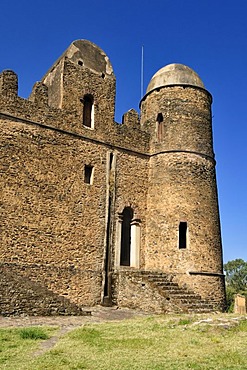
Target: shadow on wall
{"x": 21, "y": 295}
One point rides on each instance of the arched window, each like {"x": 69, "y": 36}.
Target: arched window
{"x": 127, "y": 216}
{"x": 159, "y": 121}
{"x": 88, "y": 111}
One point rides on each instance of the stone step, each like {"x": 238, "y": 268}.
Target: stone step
{"x": 203, "y": 303}
{"x": 198, "y": 305}
{"x": 164, "y": 283}
{"x": 188, "y": 298}
{"x": 199, "y": 310}
{"x": 185, "y": 300}
{"x": 158, "y": 278}
{"x": 177, "y": 290}
{"x": 179, "y": 293}
{"x": 152, "y": 273}
{"x": 155, "y": 275}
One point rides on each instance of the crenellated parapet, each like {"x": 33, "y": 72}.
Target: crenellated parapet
{"x": 76, "y": 95}
{"x": 9, "y": 84}
{"x": 131, "y": 118}
{"x": 39, "y": 94}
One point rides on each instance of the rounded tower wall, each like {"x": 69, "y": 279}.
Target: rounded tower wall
{"x": 178, "y": 118}
{"x": 183, "y": 228}
{"x": 182, "y": 188}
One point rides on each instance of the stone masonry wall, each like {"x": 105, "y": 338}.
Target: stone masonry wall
{"x": 53, "y": 223}
{"x": 182, "y": 187}
{"x": 192, "y": 198}
{"x": 61, "y": 232}
{"x": 209, "y": 287}
{"x": 130, "y": 291}
{"x": 186, "y": 119}
{"x": 131, "y": 188}
{"x": 49, "y": 215}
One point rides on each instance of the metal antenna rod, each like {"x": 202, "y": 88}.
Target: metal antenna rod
{"x": 142, "y": 71}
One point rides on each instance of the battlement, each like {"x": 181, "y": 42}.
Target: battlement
{"x": 76, "y": 95}
{"x": 9, "y": 84}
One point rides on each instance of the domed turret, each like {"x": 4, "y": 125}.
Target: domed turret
{"x": 174, "y": 74}
{"x": 182, "y": 193}
{"x": 176, "y": 102}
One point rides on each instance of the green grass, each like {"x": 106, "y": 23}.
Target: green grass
{"x": 17, "y": 344}
{"x": 155, "y": 343}
{"x": 33, "y": 333}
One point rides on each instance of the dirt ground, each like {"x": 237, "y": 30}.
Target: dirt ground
{"x": 98, "y": 314}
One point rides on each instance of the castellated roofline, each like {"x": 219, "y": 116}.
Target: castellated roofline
{"x": 83, "y": 53}
{"x": 9, "y": 83}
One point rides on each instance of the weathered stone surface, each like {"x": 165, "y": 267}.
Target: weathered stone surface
{"x": 61, "y": 225}
{"x": 240, "y": 304}
{"x": 174, "y": 74}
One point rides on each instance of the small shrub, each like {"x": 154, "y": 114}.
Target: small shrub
{"x": 33, "y": 333}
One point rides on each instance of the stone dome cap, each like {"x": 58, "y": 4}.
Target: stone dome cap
{"x": 86, "y": 53}
{"x": 174, "y": 74}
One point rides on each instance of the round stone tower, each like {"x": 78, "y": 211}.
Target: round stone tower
{"x": 183, "y": 228}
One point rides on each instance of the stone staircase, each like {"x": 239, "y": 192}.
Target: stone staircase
{"x": 178, "y": 299}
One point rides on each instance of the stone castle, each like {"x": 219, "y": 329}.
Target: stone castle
{"x": 96, "y": 212}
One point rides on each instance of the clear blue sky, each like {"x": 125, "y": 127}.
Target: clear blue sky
{"x": 210, "y": 36}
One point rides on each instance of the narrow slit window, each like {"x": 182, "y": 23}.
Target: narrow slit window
{"x": 88, "y": 111}
{"x": 127, "y": 216}
{"x": 182, "y": 235}
{"x": 159, "y": 126}
{"x": 110, "y": 161}
{"x": 88, "y": 175}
